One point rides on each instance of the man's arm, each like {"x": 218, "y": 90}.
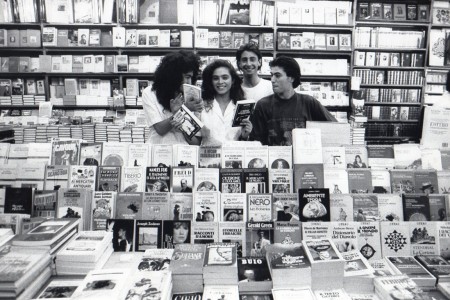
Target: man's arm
{"x": 320, "y": 113}
{"x": 259, "y": 122}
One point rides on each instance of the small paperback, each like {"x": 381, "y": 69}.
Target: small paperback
{"x": 244, "y": 109}
{"x": 191, "y": 124}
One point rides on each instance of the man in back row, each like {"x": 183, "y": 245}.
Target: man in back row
{"x": 276, "y": 115}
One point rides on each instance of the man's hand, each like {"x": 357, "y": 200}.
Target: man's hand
{"x": 246, "y": 128}
{"x": 176, "y": 121}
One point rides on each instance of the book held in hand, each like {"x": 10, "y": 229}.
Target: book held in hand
{"x": 244, "y": 109}
{"x": 191, "y": 124}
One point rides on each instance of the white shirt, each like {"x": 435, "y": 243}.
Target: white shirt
{"x": 259, "y": 91}
{"x": 217, "y": 126}
{"x": 155, "y": 113}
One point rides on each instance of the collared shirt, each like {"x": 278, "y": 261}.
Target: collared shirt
{"x": 217, "y": 126}
{"x": 156, "y": 113}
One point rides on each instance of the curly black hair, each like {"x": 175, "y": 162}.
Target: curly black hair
{"x": 251, "y": 48}
{"x": 169, "y": 74}
{"x": 208, "y": 91}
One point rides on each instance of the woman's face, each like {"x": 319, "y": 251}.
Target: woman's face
{"x": 222, "y": 81}
{"x": 180, "y": 233}
{"x": 358, "y": 159}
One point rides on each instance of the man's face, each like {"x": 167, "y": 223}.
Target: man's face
{"x": 183, "y": 184}
{"x": 187, "y": 77}
{"x": 249, "y": 63}
{"x": 281, "y": 83}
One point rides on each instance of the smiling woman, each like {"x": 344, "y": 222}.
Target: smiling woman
{"x": 221, "y": 89}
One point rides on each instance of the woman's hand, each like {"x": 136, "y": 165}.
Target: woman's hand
{"x": 176, "y": 103}
{"x": 246, "y": 128}
{"x": 176, "y": 121}
{"x": 194, "y": 105}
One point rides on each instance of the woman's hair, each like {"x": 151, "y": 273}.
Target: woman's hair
{"x": 177, "y": 225}
{"x": 290, "y": 67}
{"x": 357, "y": 156}
{"x": 208, "y": 91}
{"x": 169, "y": 74}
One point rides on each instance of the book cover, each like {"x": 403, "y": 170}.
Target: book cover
{"x": 18, "y": 200}
{"x": 258, "y": 236}
{"x": 233, "y": 207}
{"x": 287, "y": 232}
{"x": 256, "y": 180}
{"x": 365, "y": 208}
{"x": 83, "y": 177}
{"x": 409, "y": 266}
{"x": 209, "y": 156}
{"x": 369, "y": 240}
{"x": 280, "y": 157}
{"x": 244, "y": 109}
{"x": 341, "y": 208}
{"x": 133, "y": 179}
{"x": 58, "y": 288}
{"x": 399, "y": 12}
{"x": 424, "y": 239}
{"x": 65, "y": 152}
{"x": 359, "y": 181}
{"x": 320, "y": 250}
{"x": 256, "y": 157}
{"x": 206, "y": 206}
{"x": 416, "y": 207}
{"x": 109, "y": 178}
{"x": 103, "y": 204}
{"x": 438, "y": 210}
{"x": 231, "y": 180}
{"x": 91, "y": 153}
{"x": 314, "y": 205}
{"x": 232, "y": 157}
{"x": 138, "y": 155}
{"x": 259, "y": 207}
{"x": 308, "y": 176}
{"x": 233, "y": 232}
{"x": 380, "y": 156}
{"x": 253, "y": 270}
{"x": 402, "y": 181}
{"x": 123, "y": 234}
{"x": 180, "y": 206}
{"x": 129, "y": 205}
{"x": 280, "y": 181}
{"x": 206, "y": 180}
{"x": 336, "y": 180}
{"x": 315, "y": 230}
{"x": 333, "y": 157}
{"x": 390, "y": 207}
{"x": 155, "y": 206}
{"x": 75, "y": 203}
{"x": 182, "y": 179}
{"x": 162, "y": 155}
{"x": 115, "y": 154}
{"x": 205, "y": 232}
{"x": 148, "y": 235}
{"x": 176, "y": 232}
{"x": 188, "y": 259}
{"x": 157, "y": 179}
{"x": 444, "y": 239}
{"x": 56, "y": 177}
{"x": 425, "y": 181}
{"x": 344, "y": 236}
{"x": 395, "y": 239}
{"x": 191, "y": 124}
{"x": 44, "y": 203}
{"x": 285, "y": 207}
{"x": 239, "y": 13}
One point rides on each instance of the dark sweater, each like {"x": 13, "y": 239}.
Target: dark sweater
{"x": 274, "y": 118}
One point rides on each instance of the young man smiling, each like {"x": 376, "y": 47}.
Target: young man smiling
{"x": 275, "y": 116}
{"x": 249, "y": 61}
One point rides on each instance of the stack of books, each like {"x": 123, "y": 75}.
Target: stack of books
{"x": 5, "y": 235}
{"x": 220, "y": 264}
{"x": 289, "y": 266}
{"x": 155, "y": 260}
{"x": 327, "y": 264}
{"x": 148, "y": 285}
{"x": 444, "y": 288}
{"x": 338, "y": 294}
{"x": 23, "y": 272}
{"x": 187, "y": 268}
{"x": 299, "y": 293}
{"x": 397, "y": 287}
{"x": 409, "y": 266}
{"x": 358, "y": 274}
{"x": 88, "y": 250}
{"x": 254, "y": 276}
{"x": 59, "y": 287}
{"x": 50, "y": 235}
{"x": 436, "y": 265}
{"x": 220, "y": 291}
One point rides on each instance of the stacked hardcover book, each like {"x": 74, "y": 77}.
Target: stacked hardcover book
{"x": 358, "y": 274}
{"x": 220, "y": 264}
{"x": 88, "y": 250}
{"x": 289, "y": 266}
{"x": 23, "y": 271}
{"x": 187, "y": 268}
{"x": 50, "y": 235}
{"x": 327, "y": 264}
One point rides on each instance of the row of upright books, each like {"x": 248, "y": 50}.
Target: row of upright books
{"x": 314, "y": 41}
{"x": 317, "y": 13}
{"x": 386, "y": 59}
{"x": 388, "y": 95}
{"x": 387, "y": 37}
{"x": 388, "y": 12}
{"x": 380, "y": 77}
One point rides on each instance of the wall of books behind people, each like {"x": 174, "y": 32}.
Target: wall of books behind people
{"x": 78, "y": 55}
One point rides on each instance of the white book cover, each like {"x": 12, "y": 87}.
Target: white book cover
{"x": 86, "y": 246}
{"x": 185, "y": 155}
{"x": 444, "y": 239}
{"x": 293, "y": 294}
{"x": 55, "y": 287}
{"x": 390, "y": 207}
{"x": 281, "y": 181}
{"x": 431, "y": 159}
{"x": 139, "y": 155}
{"x": 233, "y": 207}
{"x": 83, "y": 177}
{"x": 133, "y": 179}
{"x": 118, "y": 36}
{"x": 307, "y": 146}
{"x": 381, "y": 181}
{"x": 334, "y": 157}
{"x": 395, "y": 238}
{"x": 220, "y": 292}
{"x": 443, "y": 178}
{"x": 280, "y": 157}
{"x": 256, "y": 157}
{"x": 356, "y": 156}
{"x": 205, "y": 232}
{"x": 369, "y": 240}
{"x": 341, "y": 207}
{"x": 424, "y": 238}
{"x": 407, "y": 156}
{"x": 259, "y": 207}
{"x": 206, "y": 180}
{"x": 335, "y": 294}
{"x": 162, "y": 155}
{"x": 336, "y": 180}
{"x": 233, "y": 232}
{"x": 315, "y": 230}
{"x": 232, "y": 157}
{"x": 115, "y": 154}
{"x": 344, "y": 235}
{"x": 206, "y": 206}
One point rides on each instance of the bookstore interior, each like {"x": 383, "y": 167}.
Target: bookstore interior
{"x": 352, "y": 209}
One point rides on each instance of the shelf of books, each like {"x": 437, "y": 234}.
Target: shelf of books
{"x": 321, "y": 217}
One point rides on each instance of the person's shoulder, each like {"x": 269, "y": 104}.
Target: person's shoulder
{"x": 306, "y": 98}
{"x": 266, "y": 100}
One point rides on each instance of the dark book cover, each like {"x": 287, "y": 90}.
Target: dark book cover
{"x": 256, "y": 180}
{"x": 284, "y": 40}
{"x": 436, "y": 265}
{"x": 148, "y": 235}
{"x": 14, "y": 64}
{"x": 314, "y": 204}
{"x": 168, "y": 13}
{"x": 108, "y": 178}
{"x": 308, "y": 176}
{"x": 359, "y": 181}
{"x": 231, "y": 181}
{"x": 65, "y": 152}
{"x": 258, "y": 236}
{"x": 123, "y": 234}
{"x": 252, "y": 269}
{"x": 416, "y": 207}
{"x": 410, "y": 267}
{"x": 363, "y": 11}
{"x": 157, "y": 179}
{"x": 175, "y": 37}
{"x": 239, "y": 13}
{"x": 209, "y": 156}
{"x": 129, "y": 205}
{"x": 44, "y": 203}
{"x": 91, "y": 153}
{"x": 18, "y": 200}
{"x": 283, "y": 257}
{"x": 406, "y": 59}
{"x": 176, "y": 232}
{"x": 244, "y": 108}
{"x": 411, "y": 13}
{"x": 375, "y": 11}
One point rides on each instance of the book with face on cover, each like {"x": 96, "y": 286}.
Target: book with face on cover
{"x": 191, "y": 124}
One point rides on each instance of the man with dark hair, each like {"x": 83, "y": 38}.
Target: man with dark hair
{"x": 275, "y": 116}
{"x": 249, "y": 61}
